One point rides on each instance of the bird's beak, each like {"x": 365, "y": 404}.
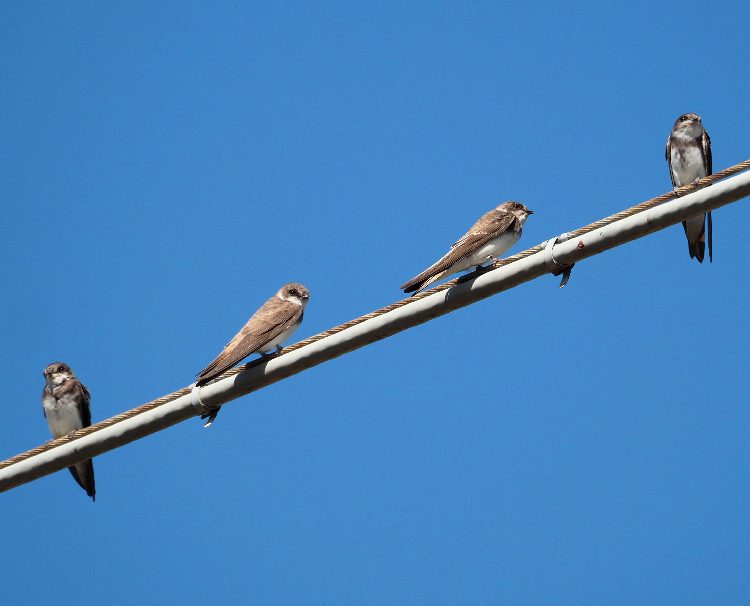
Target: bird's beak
{"x": 529, "y": 211}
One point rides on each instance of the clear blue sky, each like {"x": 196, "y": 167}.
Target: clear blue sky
{"x": 167, "y": 166}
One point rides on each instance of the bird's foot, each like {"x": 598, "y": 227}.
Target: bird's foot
{"x": 267, "y": 355}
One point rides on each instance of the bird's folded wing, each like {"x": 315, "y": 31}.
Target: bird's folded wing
{"x": 668, "y": 155}
{"x": 490, "y": 226}
{"x": 273, "y": 318}
{"x": 706, "y": 146}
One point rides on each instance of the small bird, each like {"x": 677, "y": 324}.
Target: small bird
{"x": 264, "y": 332}
{"x": 689, "y": 158}
{"x": 494, "y": 233}
{"x": 65, "y": 404}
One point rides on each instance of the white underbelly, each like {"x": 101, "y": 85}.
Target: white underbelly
{"x": 271, "y": 345}
{"x": 493, "y": 248}
{"x": 62, "y": 420}
{"x": 687, "y": 165}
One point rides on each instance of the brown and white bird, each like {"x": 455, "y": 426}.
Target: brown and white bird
{"x": 689, "y": 158}
{"x": 65, "y": 404}
{"x": 493, "y": 234}
{"x": 265, "y": 331}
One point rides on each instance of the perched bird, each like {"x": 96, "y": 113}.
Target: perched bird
{"x": 494, "y": 233}
{"x": 264, "y": 332}
{"x": 689, "y": 158}
{"x": 65, "y": 404}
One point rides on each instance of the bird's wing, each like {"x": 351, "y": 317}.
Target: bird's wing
{"x": 274, "y": 317}
{"x": 84, "y": 397}
{"x": 83, "y": 473}
{"x": 705, "y": 143}
{"x": 489, "y": 226}
{"x": 668, "y": 155}
{"x": 706, "y": 148}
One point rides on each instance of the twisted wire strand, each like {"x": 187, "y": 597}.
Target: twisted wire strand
{"x": 727, "y": 172}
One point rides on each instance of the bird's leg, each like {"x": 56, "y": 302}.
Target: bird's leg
{"x": 265, "y": 355}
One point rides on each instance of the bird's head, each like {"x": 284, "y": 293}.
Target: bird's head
{"x": 57, "y": 373}
{"x": 518, "y": 209}
{"x": 689, "y": 124}
{"x": 294, "y": 292}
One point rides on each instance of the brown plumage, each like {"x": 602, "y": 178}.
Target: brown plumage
{"x": 273, "y": 323}
{"x": 483, "y": 241}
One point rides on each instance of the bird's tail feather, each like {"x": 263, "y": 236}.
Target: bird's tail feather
{"x": 83, "y": 474}
{"x": 416, "y": 285}
{"x": 696, "y": 248}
